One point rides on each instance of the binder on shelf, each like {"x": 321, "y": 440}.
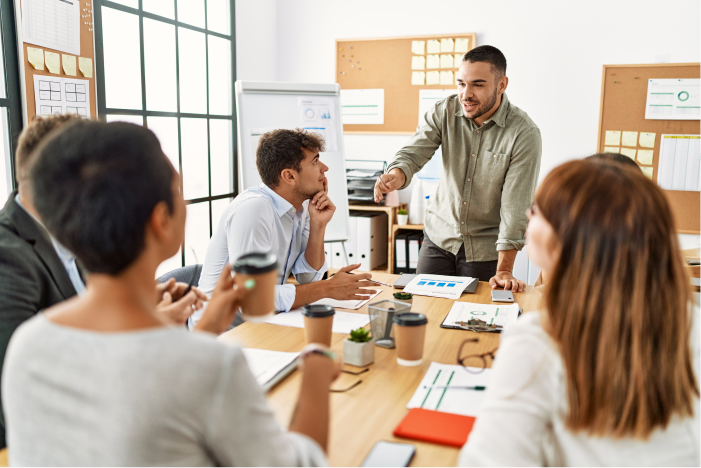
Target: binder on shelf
{"x": 371, "y": 246}
{"x": 415, "y": 241}
{"x": 401, "y": 254}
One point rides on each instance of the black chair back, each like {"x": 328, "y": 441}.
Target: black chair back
{"x": 183, "y": 274}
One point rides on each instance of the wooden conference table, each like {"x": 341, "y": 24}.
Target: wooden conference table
{"x": 370, "y": 412}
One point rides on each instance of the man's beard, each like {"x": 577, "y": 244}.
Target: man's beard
{"x": 305, "y": 194}
{"x": 483, "y": 109}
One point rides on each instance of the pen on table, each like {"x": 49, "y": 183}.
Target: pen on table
{"x": 456, "y": 387}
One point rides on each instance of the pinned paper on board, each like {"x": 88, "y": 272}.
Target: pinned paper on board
{"x": 613, "y": 138}
{"x": 630, "y": 152}
{"x": 53, "y": 62}
{"x": 433, "y": 46}
{"x": 447, "y": 78}
{"x": 433, "y": 78}
{"x": 417, "y": 47}
{"x": 363, "y": 106}
{"x": 612, "y": 149}
{"x": 418, "y": 62}
{"x": 647, "y": 171}
{"x": 85, "y": 66}
{"x": 418, "y": 78}
{"x": 69, "y": 64}
{"x": 462, "y": 45}
{"x": 54, "y": 95}
{"x": 457, "y": 61}
{"x": 647, "y": 140}
{"x": 433, "y": 61}
{"x": 629, "y": 139}
{"x": 447, "y": 45}
{"x": 645, "y": 157}
{"x": 36, "y": 57}
{"x": 447, "y": 61}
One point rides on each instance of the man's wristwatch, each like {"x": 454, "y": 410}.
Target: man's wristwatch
{"x": 323, "y": 352}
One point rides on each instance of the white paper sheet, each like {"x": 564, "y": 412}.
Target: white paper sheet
{"x": 318, "y": 115}
{"x": 363, "y": 106}
{"x": 351, "y": 304}
{"x": 54, "y": 24}
{"x": 53, "y": 95}
{"x": 449, "y": 287}
{"x": 428, "y": 98}
{"x": 680, "y": 162}
{"x": 450, "y": 400}
{"x": 493, "y": 314}
{"x": 343, "y": 322}
{"x": 673, "y": 99}
{"x": 266, "y": 364}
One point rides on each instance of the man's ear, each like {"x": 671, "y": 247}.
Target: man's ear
{"x": 289, "y": 177}
{"x": 503, "y": 83}
{"x": 160, "y": 221}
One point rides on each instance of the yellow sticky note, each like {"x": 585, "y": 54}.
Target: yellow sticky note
{"x": 458, "y": 60}
{"x": 85, "y": 65}
{"x": 418, "y": 62}
{"x": 630, "y": 139}
{"x": 647, "y": 171}
{"x": 447, "y": 45}
{"x": 647, "y": 140}
{"x": 645, "y": 157}
{"x": 447, "y": 61}
{"x": 418, "y": 78}
{"x": 433, "y": 78}
{"x": 433, "y": 46}
{"x": 53, "y": 62}
{"x": 462, "y": 44}
{"x": 630, "y": 152}
{"x": 36, "y": 57}
{"x": 447, "y": 78}
{"x": 433, "y": 61}
{"x": 417, "y": 47}
{"x": 612, "y": 149}
{"x": 69, "y": 64}
{"x": 612, "y": 138}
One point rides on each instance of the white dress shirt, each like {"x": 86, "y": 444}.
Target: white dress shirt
{"x": 260, "y": 220}
{"x": 522, "y": 419}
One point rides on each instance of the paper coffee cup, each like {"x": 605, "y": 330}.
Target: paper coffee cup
{"x": 318, "y": 322}
{"x": 409, "y": 335}
{"x": 256, "y": 272}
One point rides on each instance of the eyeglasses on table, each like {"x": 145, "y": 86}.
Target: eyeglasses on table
{"x": 474, "y": 363}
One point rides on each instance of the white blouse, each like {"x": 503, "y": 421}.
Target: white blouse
{"x": 522, "y": 419}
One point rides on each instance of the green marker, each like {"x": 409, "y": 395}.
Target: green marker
{"x": 250, "y": 283}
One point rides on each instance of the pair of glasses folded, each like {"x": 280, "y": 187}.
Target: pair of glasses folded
{"x": 355, "y": 384}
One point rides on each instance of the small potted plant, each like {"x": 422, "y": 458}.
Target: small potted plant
{"x": 402, "y": 217}
{"x": 358, "y": 348}
{"x": 404, "y": 297}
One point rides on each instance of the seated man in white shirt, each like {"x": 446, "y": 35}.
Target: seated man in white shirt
{"x": 287, "y": 216}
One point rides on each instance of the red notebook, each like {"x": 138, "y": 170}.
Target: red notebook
{"x": 434, "y": 426}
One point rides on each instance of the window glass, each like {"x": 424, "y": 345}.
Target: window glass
{"x": 196, "y": 232}
{"x": 159, "y": 62}
{"x": 120, "y": 40}
{"x": 166, "y": 129}
{"x": 129, "y": 3}
{"x": 5, "y": 157}
{"x": 191, "y": 12}
{"x": 218, "y": 208}
{"x": 192, "y": 66}
{"x": 3, "y": 93}
{"x": 160, "y": 7}
{"x": 193, "y": 137}
{"x": 219, "y": 16}
{"x": 221, "y": 156}
{"x": 220, "y": 89}
{"x": 135, "y": 119}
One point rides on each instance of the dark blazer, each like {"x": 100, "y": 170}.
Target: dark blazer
{"x": 32, "y": 276}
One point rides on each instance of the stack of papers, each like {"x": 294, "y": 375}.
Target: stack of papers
{"x": 270, "y": 367}
{"x": 449, "y": 287}
{"x": 352, "y": 304}
{"x": 343, "y": 322}
{"x": 492, "y": 314}
{"x": 435, "y": 392}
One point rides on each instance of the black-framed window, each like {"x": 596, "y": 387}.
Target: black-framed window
{"x": 170, "y": 65}
{"x": 10, "y": 98}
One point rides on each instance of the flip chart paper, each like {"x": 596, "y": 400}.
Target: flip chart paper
{"x": 447, "y": 45}
{"x": 53, "y": 62}
{"x": 447, "y": 61}
{"x": 433, "y": 78}
{"x": 612, "y": 138}
{"x": 462, "y": 44}
{"x": 418, "y": 63}
{"x": 647, "y": 140}
{"x": 417, "y": 47}
{"x": 418, "y": 78}
{"x": 645, "y": 157}
{"x": 630, "y": 139}
{"x": 630, "y": 152}
{"x": 85, "y": 66}
{"x": 68, "y": 64}
{"x": 433, "y": 61}
{"x": 36, "y": 57}
{"x": 433, "y": 46}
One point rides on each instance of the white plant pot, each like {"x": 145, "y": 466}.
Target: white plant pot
{"x": 402, "y": 220}
{"x": 406, "y": 301}
{"x": 358, "y": 354}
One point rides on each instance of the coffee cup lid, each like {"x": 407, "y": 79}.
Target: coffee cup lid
{"x": 255, "y": 263}
{"x": 410, "y": 319}
{"x": 318, "y": 310}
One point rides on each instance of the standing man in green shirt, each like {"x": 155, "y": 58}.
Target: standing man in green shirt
{"x": 491, "y": 158}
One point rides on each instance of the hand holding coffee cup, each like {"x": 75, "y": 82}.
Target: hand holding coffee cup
{"x": 257, "y": 273}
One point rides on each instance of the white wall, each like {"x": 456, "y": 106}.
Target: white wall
{"x": 256, "y": 40}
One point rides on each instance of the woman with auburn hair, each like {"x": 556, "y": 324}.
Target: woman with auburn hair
{"x": 604, "y": 375}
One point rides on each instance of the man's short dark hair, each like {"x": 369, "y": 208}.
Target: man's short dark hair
{"x": 489, "y": 54}
{"x": 617, "y": 157}
{"x": 95, "y": 186}
{"x": 282, "y": 149}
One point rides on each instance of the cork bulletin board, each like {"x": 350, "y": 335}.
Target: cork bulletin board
{"x": 386, "y": 63}
{"x": 84, "y": 62}
{"x": 623, "y": 101}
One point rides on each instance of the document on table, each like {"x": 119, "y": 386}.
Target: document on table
{"x": 463, "y": 401}
{"x": 492, "y": 314}
{"x": 449, "y": 287}
{"x": 343, "y": 322}
{"x": 352, "y": 304}
{"x": 673, "y": 99}
{"x": 54, "y": 95}
{"x": 54, "y": 24}
{"x": 680, "y": 161}
{"x": 269, "y": 366}
{"x": 363, "y": 106}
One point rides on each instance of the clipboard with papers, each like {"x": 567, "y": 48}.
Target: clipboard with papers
{"x": 490, "y": 318}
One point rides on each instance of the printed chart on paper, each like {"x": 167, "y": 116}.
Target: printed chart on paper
{"x": 449, "y": 287}
{"x": 680, "y": 162}
{"x": 673, "y": 99}
{"x": 363, "y": 106}
{"x": 317, "y": 115}
{"x": 54, "y": 95}
{"x": 54, "y": 24}
{"x": 501, "y": 314}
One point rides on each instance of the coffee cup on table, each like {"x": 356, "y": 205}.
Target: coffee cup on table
{"x": 318, "y": 323}
{"x": 256, "y": 272}
{"x": 409, "y": 335}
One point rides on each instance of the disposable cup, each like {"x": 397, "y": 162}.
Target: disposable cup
{"x": 318, "y": 323}
{"x": 410, "y": 334}
{"x": 256, "y": 272}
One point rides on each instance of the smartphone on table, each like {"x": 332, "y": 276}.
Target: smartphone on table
{"x": 501, "y": 295}
{"x": 390, "y": 454}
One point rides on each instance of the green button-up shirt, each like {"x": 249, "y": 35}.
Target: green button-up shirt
{"x": 488, "y": 180}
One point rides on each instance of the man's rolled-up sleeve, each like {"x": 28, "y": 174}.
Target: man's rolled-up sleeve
{"x": 518, "y": 189}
